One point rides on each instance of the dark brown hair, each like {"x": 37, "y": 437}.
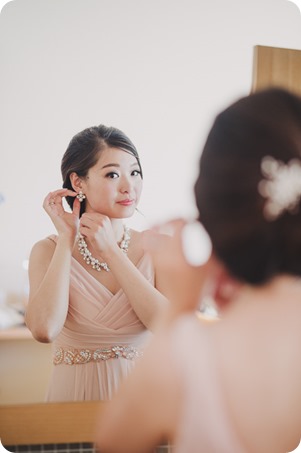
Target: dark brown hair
{"x": 83, "y": 152}
{"x": 267, "y": 123}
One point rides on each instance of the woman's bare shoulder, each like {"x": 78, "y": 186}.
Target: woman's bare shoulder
{"x": 44, "y": 246}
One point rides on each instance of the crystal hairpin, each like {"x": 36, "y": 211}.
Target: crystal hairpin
{"x": 281, "y": 186}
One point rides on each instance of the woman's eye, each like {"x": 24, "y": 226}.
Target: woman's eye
{"x": 112, "y": 175}
{"x": 136, "y": 173}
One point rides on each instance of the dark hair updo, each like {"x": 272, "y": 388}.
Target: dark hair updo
{"x": 253, "y": 249}
{"x": 83, "y": 152}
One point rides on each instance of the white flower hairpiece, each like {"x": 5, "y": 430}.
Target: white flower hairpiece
{"x": 281, "y": 186}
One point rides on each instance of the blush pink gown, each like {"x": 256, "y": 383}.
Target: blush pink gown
{"x": 96, "y": 319}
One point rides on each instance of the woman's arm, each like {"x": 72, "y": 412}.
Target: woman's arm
{"x": 49, "y": 271}
{"x": 147, "y": 300}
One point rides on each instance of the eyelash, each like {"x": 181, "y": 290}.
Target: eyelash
{"x": 138, "y": 172}
{"x": 112, "y": 174}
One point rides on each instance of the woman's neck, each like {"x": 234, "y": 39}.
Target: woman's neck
{"x": 118, "y": 228}
{"x": 283, "y": 288}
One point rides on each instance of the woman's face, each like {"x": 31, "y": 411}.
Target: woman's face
{"x": 113, "y": 185}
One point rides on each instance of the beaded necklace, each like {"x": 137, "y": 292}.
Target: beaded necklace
{"x": 94, "y": 262}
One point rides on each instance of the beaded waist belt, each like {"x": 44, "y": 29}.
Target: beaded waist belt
{"x": 80, "y": 356}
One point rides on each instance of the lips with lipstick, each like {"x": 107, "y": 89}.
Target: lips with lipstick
{"x": 126, "y": 202}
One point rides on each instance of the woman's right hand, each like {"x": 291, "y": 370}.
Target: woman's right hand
{"x": 65, "y": 222}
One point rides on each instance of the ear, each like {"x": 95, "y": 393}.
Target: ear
{"x": 223, "y": 287}
{"x": 76, "y": 182}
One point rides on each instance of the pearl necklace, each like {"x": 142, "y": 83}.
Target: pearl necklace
{"x": 94, "y": 262}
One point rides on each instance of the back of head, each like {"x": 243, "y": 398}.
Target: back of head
{"x": 232, "y": 208}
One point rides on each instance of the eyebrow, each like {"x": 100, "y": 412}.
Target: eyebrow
{"x": 117, "y": 165}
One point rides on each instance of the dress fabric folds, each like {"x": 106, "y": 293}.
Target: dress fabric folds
{"x": 96, "y": 319}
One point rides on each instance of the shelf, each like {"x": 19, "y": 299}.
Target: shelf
{"x": 16, "y": 333}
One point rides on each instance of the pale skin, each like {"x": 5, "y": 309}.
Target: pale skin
{"x": 257, "y": 349}
{"x": 112, "y": 189}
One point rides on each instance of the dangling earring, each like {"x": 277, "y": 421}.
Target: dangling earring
{"x": 81, "y": 196}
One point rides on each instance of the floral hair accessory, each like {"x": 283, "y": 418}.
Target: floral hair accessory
{"x": 281, "y": 186}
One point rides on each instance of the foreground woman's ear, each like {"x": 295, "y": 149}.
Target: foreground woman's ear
{"x": 224, "y": 287}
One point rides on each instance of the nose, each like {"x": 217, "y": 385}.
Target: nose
{"x": 126, "y": 185}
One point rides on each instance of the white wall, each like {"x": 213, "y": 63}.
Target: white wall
{"x": 159, "y": 70}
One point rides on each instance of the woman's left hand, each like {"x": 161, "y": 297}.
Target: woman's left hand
{"x": 97, "y": 228}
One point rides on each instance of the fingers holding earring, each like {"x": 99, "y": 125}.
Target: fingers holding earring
{"x": 56, "y": 207}
{"x": 49, "y": 201}
{"x": 54, "y": 199}
{"x": 52, "y": 203}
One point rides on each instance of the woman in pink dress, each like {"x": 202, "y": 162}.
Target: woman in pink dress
{"x": 92, "y": 286}
{"x": 232, "y": 385}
